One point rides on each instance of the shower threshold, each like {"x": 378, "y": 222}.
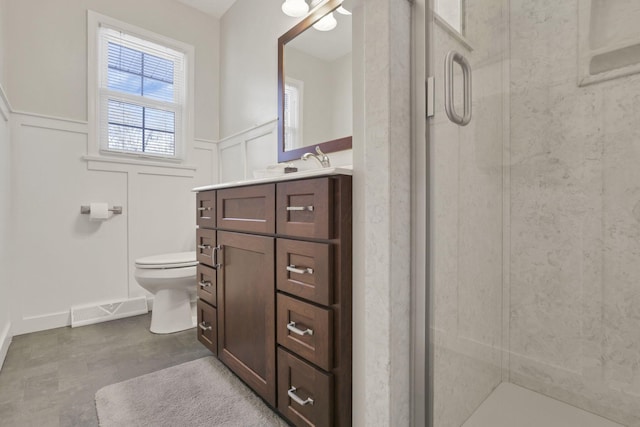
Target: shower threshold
{"x": 510, "y": 405}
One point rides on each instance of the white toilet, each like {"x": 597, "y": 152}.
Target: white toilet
{"x": 171, "y": 278}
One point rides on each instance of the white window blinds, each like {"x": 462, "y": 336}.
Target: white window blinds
{"x": 142, "y": 91}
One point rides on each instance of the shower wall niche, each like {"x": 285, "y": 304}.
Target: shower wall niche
{"x": 609, "y": 39}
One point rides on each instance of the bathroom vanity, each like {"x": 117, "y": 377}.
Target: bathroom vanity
{"x": 274, "y": 289}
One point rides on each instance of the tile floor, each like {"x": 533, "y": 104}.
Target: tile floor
{"x": 50, "y": 378}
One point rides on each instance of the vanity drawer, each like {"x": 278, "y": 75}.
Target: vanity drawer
{"x": 207, "y": 284}
{"x": 206, "y": 209}
{"x": 298, "y": 383}
{"x": 305, "y": 329}
{"x": 208, "y": 326}
{"x": 304, "y": 269}
{"x": 205, "y": 242}
{"x": 249, "y": 209}
{"x": 304, "y": 208}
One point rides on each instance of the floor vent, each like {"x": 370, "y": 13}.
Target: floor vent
{"x": 88, "y": 314}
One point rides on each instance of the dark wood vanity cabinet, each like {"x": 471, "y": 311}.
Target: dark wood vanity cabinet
{"x": 275, "y": 272}
{"x": 246, "y": 310}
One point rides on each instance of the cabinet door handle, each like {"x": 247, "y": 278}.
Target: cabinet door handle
{"x": 300, "y": 208}
{"x": 204, "y": 284}
{"x": 292, "y": 394}
{"x": 204, "y": 209}
{"x": 292, "y": 327}
{"x": 204, "y": 326}
{"x": 205, "y": 217}
{"x": 214, "y": 257}
{"x": 292, "y": 268}
{"x": 203, "y": 247}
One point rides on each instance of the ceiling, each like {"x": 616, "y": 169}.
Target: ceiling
{"x": 215, "y": 8}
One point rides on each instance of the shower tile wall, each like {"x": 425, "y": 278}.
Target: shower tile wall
{"x": 575, "y": 220}
{"x": 467, "y": 225}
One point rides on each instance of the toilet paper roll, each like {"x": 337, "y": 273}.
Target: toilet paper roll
{"x": 99, "y": 211}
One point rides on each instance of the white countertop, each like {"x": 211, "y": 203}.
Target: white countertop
{"x": 340, "y": 170}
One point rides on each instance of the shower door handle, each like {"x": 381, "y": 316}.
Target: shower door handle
{"x": 453, "y": 115}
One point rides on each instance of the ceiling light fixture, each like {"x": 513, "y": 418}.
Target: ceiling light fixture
{"x": 327, "y": 23}
{"x": 295, "y": 8}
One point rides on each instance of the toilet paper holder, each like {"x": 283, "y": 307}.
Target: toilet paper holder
{"x": 86, "y": 210}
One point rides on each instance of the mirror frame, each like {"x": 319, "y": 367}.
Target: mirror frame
{"x": 331, "y": 146}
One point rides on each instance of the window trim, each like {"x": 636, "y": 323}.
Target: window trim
{"x": 184, "y": 133}
{"x": 298, "y": 85}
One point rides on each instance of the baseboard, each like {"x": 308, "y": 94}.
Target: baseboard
{"x": 42, "y": 322}
{"x": 5, "y": 341}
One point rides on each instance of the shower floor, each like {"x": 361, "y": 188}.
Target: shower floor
{"x": 510, "y": 405}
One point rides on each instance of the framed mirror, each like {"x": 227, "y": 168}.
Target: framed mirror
{"x": 315, "y": 83}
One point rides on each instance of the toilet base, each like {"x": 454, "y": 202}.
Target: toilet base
{"x": 171, "y": 312}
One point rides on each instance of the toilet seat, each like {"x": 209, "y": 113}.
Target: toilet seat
{"x": 165, "y": 261}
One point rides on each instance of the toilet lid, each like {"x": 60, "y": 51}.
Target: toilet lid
{"x": 174, "y": 260}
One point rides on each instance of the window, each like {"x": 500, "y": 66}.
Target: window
{"x": 293, "y": 113}
{"x": 141, "y": 92}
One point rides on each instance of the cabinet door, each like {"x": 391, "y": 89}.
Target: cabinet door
{"x": 246, "y": 310}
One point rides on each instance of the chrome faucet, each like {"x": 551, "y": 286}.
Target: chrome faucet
{"x": 321, "y": 157}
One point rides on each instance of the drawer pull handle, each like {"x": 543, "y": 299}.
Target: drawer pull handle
{"x": 292, "y": 268}
{"x": 204, "y": 209}
{"x": 205, "y": 217}
{"x": 204, "y": 284}
{"x": 300, "y": 208}
{"x": 292, "y": 394}
{"x": 204, "y": 326}
{"x": 214, "y": 257}
{"x": 292, "y": 327}
{"x": 203, "y": 247}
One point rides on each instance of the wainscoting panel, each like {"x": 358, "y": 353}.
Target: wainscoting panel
{"x": 62, "y": 258}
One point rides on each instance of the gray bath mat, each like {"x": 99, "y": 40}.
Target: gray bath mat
{"x": 198, "y": 393}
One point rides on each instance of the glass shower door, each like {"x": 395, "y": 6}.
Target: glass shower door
{"x": 534, "y": 207}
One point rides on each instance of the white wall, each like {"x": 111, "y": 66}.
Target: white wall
{"x": 5, "y": 206}
{"x": 60, "y": 259}
{"x": 249, "y": 76}
{"x": 327, "y": 96}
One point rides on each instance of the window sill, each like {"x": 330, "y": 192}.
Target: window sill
{"x": 96, "y": 162}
